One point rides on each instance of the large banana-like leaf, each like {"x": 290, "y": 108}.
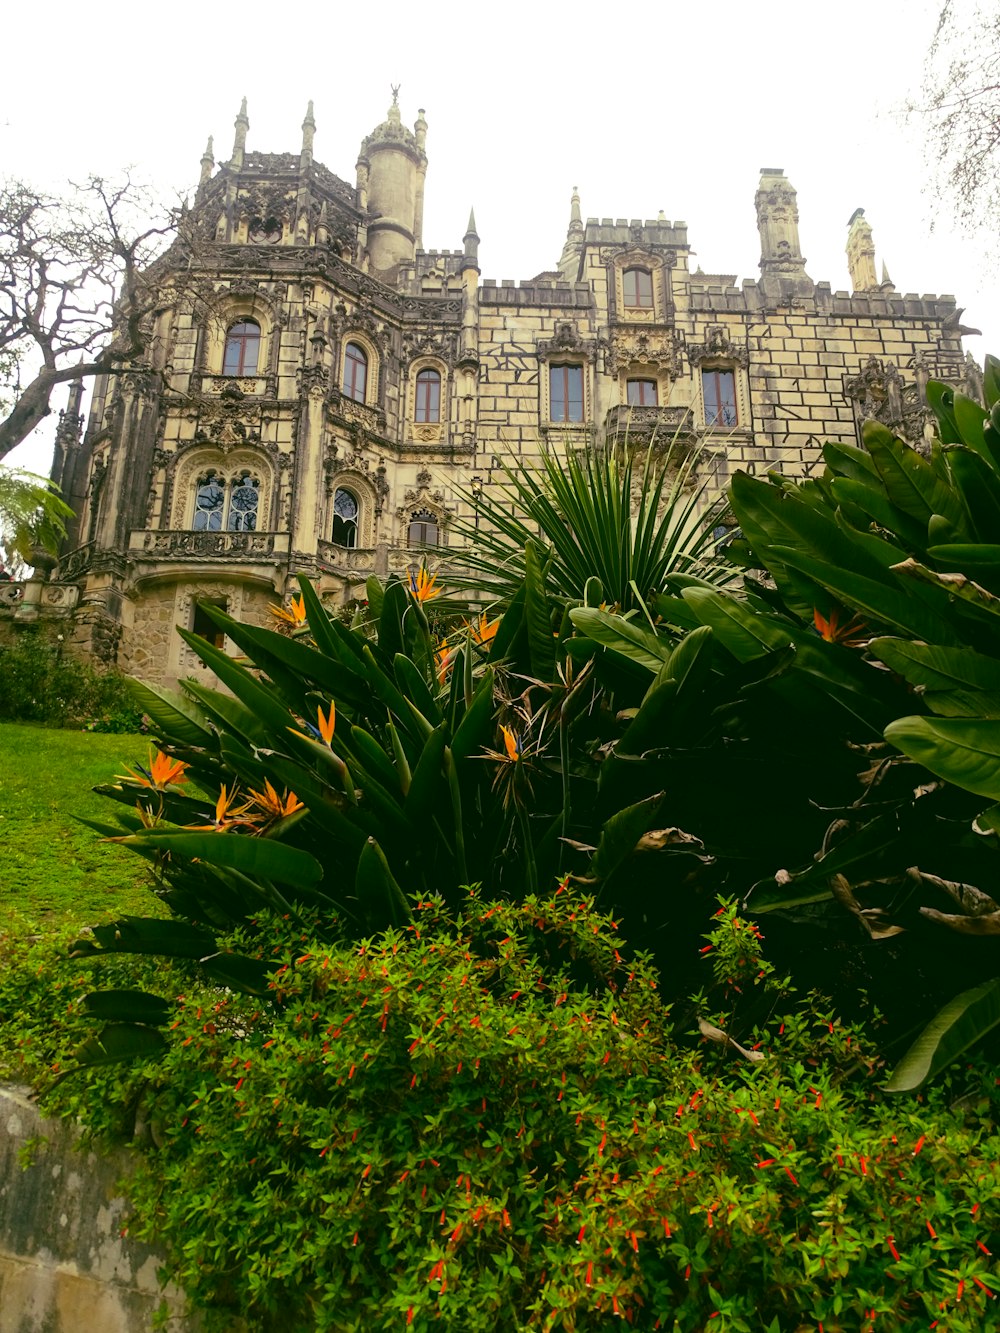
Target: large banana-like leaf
{"x": 963, "y": 751}
{"x": 745, "y": 633}
{"x": 172, "y": 714}
{"x": 911, "y": 483}
{"x": 379, "y": 896}
{"x": 960, "y": 1024}
{"x": 937, "y": 668}
{"x": 627, "y": 637}
{"x": 146, "y": 935}
{"x": 538, "y": 616}
{"x": 253, "y": 856}
{"x": 620, "y": 835}
{"x": 127, "y": 1006}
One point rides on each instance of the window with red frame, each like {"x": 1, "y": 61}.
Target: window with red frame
{"x": 718, "y": 389}
{"x": 428, "y": 404}
{"x": 355, "y": 373}
{"x": 566, "y": 393}
{"x": 637, "y": 288}
{"x": 242, "y": 348}
{"x": 641, "y": 393}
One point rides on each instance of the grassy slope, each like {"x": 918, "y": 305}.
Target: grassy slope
{"x": 53, "y": 869}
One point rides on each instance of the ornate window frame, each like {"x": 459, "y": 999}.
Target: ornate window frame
{"x": 231, "y": 308}
{"x": 720, "y": 352}
{"x": 229, "y": 465}
{"x": 349, "y": 479}
{"x": 428, "y": 432}
{"x": 566, "y": 348}
{"x": 373, "y": 379}
{"x": 658, "y": 267}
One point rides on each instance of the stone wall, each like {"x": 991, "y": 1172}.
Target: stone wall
{"x": 65, "y": 1266}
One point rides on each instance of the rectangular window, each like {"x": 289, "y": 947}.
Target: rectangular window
{"x": 566, "y": 393}
{"x": 642, "y": 393}
{"x": 718, "y": 388}
{"x": 201, "y": 623}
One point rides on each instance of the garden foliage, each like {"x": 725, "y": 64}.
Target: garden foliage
{"x": 40, "y": 682}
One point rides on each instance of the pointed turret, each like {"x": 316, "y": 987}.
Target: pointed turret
{"x": 207, "y": 163}
{"x": 861, "y": 253}
{"x": 308, "y": 132}
{"x": 471, "y": 243}
{"x": 323, "y": 226}
{"x": 242, "y": 125}
{"x": 569, "y": 260}
{"x": 887, "y": 284}
{"x": 782, "y": 267}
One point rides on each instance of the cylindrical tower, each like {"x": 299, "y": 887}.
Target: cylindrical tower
{"x": 396, "y": 163}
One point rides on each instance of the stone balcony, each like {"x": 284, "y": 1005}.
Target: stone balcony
{"x": 152, "y": 544}
{"x": 641, "y": 427}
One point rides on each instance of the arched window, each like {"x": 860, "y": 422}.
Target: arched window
{"x": 423, "y": 529}
{"x": 244, "y": 499}
{"x": 345, "y": 518}
{"x": 355, "y": 373}
{"x": 242, "y": 348}
{"x": 641, "y": 393}
{"x": 637, "y": 288}
{"x": 209, "y": 504}
{"x": 428, "y": 404}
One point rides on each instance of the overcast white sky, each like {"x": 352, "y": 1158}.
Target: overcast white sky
{"x": 665, "y": 105}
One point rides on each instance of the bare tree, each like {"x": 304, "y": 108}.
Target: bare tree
{"x": 78, "y": 283}
{"x": 959, "y": 104}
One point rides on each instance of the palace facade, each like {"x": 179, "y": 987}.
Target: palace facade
{"x": 325, "y": 395}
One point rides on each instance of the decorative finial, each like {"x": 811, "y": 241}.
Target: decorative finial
{"x": 395, "y": 92}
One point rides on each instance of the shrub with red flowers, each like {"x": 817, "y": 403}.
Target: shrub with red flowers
{"x": 487, "y": 1121}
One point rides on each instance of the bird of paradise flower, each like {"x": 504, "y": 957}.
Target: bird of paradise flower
{"x": 423, "y": 585}
{"x": 162, "y": 772}
{"x": 294, "y": 615}
{"x": 851, "y": 633}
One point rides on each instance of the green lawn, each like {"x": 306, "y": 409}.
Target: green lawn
{"x": 54, "y": 870}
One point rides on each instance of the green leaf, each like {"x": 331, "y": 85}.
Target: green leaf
{"x": 744, "y": 632}
{"x": 378, "y": 894}
{"x": 960, "y": 1024}
{"x": 910, "y": 481}
{"x": 253, "y": 856}
{"x": 963, "y": 751}
{"x": 127, "y": 1006}
{"x": 937, "y": 668}
{"x": 146, "y": 935}
{"x": 414, "y": 686}
{"x": 991, "y": 381}
{"x": 627, "y": 637}
{"x": 171, "y": 714}
{"x": 249, "y": 976}
{"x": 118, "y": 1042}
{"x": 969, "y": 417}
{"x": 538, "y": 617}
{"x": 620, "y": 835}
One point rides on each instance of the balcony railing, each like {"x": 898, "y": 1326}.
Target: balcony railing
{"x": 645, "y": 426}
{"x": 233, "y": 546}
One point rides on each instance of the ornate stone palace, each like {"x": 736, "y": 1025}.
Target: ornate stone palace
{"x": 325, "y": 395}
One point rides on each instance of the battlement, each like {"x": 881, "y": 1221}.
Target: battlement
{"x": 539, "y": 292}
{"x": 653, "y": 233}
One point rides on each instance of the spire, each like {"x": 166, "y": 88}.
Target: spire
{"x": 420, "y": 130}
{"x": 861, "y": 253}
{"x": 471, "y": 240}
{"x": 887, "y": 282}
{"x": 308, "y": 131}
{"x": 782, "y": 267}
{"x": 569, "y": 260}
{"x": 207, "y": 162}
{"x": 242, "y": 124}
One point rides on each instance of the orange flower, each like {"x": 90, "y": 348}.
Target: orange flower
{"x": 422, "y": 585}
{"x": 327, "y": 724}
{"x": 482, "y": 630}
{"x": 296, "y": 613}
{"x": 227, "y": 813}
{"x": 850, "y": 634}
{"x": 161, "y": 773}
{"x": 443, "y": 659}
{"x": 512, "y": 744}
{"x": 273, "y": 805}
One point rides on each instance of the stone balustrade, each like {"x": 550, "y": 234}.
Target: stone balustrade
{"x": 185, "y": 545}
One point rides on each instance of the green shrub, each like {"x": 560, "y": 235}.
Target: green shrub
{"x": 39, "y": 682}
{"x": 486, "y": 1121}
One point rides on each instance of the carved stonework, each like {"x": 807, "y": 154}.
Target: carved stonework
{"x": 230, "y": 421}
{"x": 567, "y": 341}
{"x": 718, "y": 346}
{"x": 878, "y": 392}
{"x": 422, "y": 342}
{"x": 655, "y": 348}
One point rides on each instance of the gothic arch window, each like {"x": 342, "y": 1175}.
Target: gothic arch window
{"x": 355, "y": 382}
{"x": 242, "y": 353}
{"x": 637, "y": 288}
{"x": 427, "y": 408}
{"x": 231, "y": 504}
{"x": 244, "y": 503}
{"x": 423, "y": 529}
{"x": 346, "y": 513}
